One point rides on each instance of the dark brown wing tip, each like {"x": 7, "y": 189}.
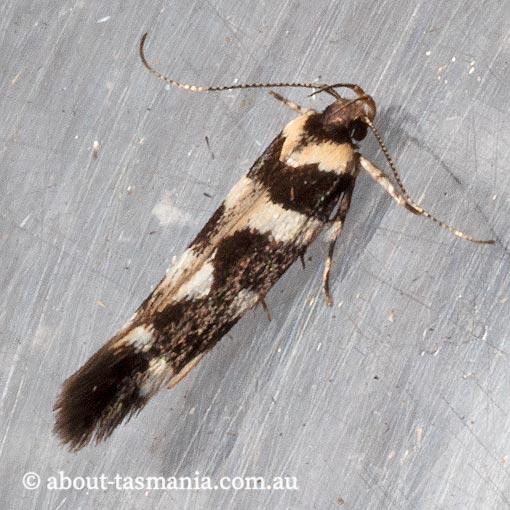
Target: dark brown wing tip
{"x": 99, "y": 396}
{"x": 69, "y": 427}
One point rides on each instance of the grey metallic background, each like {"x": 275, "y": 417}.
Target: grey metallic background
{"x": 399, "y": 396}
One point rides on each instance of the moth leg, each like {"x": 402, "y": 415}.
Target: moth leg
{"x": 263, "y": 303}
{"x": 334, "y": 231}
{"x": 184, "y": 372}
{"x": 293, "y": 106}
{"x": 383, "y": 180}
{"x": 406, "y": 201}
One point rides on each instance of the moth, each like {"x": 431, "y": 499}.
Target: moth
{"x": 299, "y": 187}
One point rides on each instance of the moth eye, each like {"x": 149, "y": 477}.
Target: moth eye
{"x": 358, "y": 130}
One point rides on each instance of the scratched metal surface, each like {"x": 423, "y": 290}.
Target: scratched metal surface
{"x": 399, "y": 396}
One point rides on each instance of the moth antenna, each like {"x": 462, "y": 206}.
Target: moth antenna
{"x": 387, "y": 155}
{"x": 330, "y": 89}
{"x": 320, "y": 88}
{"x": 360, "y": 98}
{"x": 410, "y": 201}
{"x": 217, "y": 88}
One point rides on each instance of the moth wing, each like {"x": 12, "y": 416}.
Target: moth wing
{"x": 119, "y": 379}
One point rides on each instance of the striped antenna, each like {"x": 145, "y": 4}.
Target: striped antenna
{"x": 208, "y": 88}
{"x": 419, "y": 210}
{"x": 319, "y": 88}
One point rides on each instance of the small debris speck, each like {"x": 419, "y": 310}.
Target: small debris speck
{"x": 95, "y": 149}
{"x": 419, "y": 436}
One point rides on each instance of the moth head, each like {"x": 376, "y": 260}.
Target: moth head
{"x": 351, "y": 114}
